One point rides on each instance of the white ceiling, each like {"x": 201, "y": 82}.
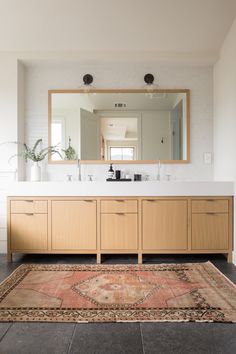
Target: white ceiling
{"x": 142, "y": 29}
{"x": 119, "y": 128}
{"x": 106, "y": 101}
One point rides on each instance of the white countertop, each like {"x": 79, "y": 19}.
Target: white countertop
{"x": 150, "y": 188}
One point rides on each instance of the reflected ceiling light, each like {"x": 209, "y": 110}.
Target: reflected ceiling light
{"x": 150, "y": 86}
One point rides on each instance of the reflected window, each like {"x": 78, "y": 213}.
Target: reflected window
{"x": 58, "y": 136}
{"x": 122, "y": 153}
{"x": 56, "y": 133}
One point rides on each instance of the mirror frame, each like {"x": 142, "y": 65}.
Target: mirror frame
{"x": 187, "y": 91}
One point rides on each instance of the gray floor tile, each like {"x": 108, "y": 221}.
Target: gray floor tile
{"x": 6, "y": 269}
{"x": 107, "y": 338}
{"x": 3, "y": 329}
{"x": 191, "y": 338}
{"x": 37, "y": 338}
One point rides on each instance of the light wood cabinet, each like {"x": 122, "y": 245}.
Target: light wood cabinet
{"x": 210, "y": 231}
{"x": 28, "y": 232}
{"x": 137, "y": 225}
{"x": 28, "y": 225}
{"x": 164, "y": 224}
{"x": 74, "y": 225}
{"x": 29, "y": 206}
{"x": 119, "y": 224}
{"x": 210, "y": 206}
{"x": 211, "y": 224}
{"x": 119, "y": 206}
{"x": 119, "y": 231}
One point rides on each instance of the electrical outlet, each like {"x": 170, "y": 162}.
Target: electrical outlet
{"x": 207, "y": 157}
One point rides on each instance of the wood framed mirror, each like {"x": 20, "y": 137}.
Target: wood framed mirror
{"x": 119, "y": 126}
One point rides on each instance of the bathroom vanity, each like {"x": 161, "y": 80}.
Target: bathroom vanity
{"x": 132, "y": 217}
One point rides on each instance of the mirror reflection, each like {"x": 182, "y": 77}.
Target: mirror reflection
{"x": 119, "y": 126}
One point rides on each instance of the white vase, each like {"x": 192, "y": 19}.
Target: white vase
{"x": 35, "y": 172}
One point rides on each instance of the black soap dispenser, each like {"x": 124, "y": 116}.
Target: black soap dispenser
{"x": 110, "y": 172}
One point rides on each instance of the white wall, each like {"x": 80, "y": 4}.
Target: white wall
{"x": 8, "y": 110}
{"x": 20, "y": 116}
{"x": 225, "y": 112}
{"x": 41, "y": 77}
{"x": 8, "y": 133}
{"x": 155, "y": 126}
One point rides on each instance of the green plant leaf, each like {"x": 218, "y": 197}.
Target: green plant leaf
{"x": 36, "y": 144}
{"x": 30, "y": 154}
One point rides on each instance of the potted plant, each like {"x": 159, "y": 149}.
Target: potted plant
{"x": 36, "y": 154}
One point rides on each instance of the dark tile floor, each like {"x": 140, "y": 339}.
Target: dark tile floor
{"x": 116, "y": 338}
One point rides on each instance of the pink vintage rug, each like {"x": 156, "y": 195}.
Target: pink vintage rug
{"x": 104, "y": 293}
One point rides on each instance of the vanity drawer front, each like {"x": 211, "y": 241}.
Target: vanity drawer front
{"x": 210, "y": 206}
{"x": 29, "y": 231}
{"x": 29, "y": 206}
{"x": 119, "y": 206}
{"x": 119, "y": 231}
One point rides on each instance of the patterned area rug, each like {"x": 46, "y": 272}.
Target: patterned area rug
{"x": 103, "y": 293}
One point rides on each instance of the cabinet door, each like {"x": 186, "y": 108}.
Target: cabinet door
{"x": 210, "y": 231}
{"x": 29, "y": 232}
{"x": 119, "y": 231}
{"x": 74, "y": 224}
{"x": 164, "y": 224}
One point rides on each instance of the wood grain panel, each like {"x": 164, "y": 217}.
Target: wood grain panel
{"x": 29, "y": 206}
{"x": 165, "y": 224}
{"x": 119, "y": 231}
{"x": 210, "y": 206}
{"x": 74, "y": 224}
{"x": 28, "y": 232}
{"x": 210, "y": 231}
{"x": 119, "y": 206}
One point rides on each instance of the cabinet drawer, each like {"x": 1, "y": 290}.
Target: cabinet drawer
{"x": 119, "y": 231}
{"x": 29, "y": 206}
{"x": 29, "y": 232}
{"x": 210, "y": 205}
{"x": 210, "y": 231}
{"x": 119, "y": 206}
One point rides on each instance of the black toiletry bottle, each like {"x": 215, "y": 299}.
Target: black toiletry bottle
{"x": 111, "y": 172}
{"x": 117, "y": 174}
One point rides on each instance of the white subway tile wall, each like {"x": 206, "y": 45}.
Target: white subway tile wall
{"x": 40, "y": 78}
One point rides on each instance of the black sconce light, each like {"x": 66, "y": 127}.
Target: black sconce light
{"x": 87, "y": 81}
{"x": 150, "y": 86}
{"x": 149, "y": 79}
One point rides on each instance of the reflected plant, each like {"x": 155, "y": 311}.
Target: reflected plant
{"x": 70, "y": 153}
